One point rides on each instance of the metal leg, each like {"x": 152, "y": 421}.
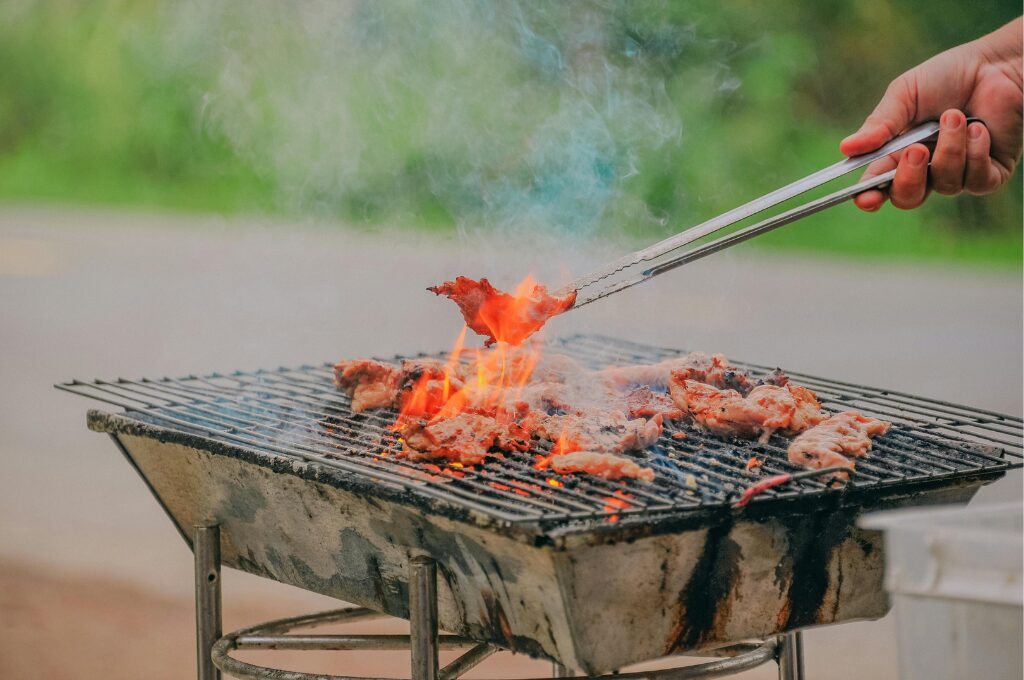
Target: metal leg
{"x": 560, "y": 671}
{"x": 791, "y": 656}
{"x": 423, "y": 618}
{"x": 206, "y": 549}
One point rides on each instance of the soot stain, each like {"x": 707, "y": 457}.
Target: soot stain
{"x": 706, "y": 598}
{"x": 459, "y": 551}
{"x": 812, "y": 545}
{"x": 359, "y": 567}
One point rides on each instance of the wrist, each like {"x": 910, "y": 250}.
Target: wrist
{"x": 1004, "y": 48}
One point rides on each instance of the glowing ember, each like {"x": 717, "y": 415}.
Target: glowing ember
{"x": 617, "y": 501}
{"x": 502, "y": 317}
{"x": 490, "y": 385}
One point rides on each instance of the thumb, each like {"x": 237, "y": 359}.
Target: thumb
{"x": 894, "y": 113}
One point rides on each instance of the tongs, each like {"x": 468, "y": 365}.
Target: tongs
{"x": 664, "y": 256}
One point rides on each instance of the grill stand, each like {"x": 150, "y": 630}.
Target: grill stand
{"x": 206, "y": 548}
{"x": 423, "y": 641}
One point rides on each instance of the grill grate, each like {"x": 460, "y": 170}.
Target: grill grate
{"x": 297, "y": 412}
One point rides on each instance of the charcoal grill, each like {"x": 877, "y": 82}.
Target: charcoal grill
{"x": 592, "y": 574}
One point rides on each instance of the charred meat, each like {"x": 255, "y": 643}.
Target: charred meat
{"x": 510, "y": 399}
{"x": 466, "y": 438}
{"x": 500, "y": 316}
{"x": 608, "y": 432}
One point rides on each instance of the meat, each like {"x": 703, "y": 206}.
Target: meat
{"x": 500, "y": 316}
{"x": 643, "y": 402}
{"x": 606, "y": 465}
{"x": 765, "y": 409}
{"x": 465, "y": 438}
{"x": 511, "y": 399}
{"x": 371, "y": 384}
{"x": 610, "y": 432}
{"x": 712, "y": 370}
{"x": 807, "y": 412}
{"x": 830, "y": 442}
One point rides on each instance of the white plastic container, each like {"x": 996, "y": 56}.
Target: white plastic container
{"x": 955, "y": 578}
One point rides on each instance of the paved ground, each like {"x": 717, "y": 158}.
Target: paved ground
{"x": 83, "y": 549}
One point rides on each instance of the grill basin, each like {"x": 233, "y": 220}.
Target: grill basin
{"x": 595, "y": 575}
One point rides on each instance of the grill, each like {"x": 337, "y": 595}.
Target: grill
{"x": 297, "y": 412}
{"x": 306, "y": 492}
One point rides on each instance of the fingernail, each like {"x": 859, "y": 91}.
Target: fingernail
{"x": 974, "y": 131}
{"x": 951, "y": 120}
{"x": 916, "y": 156}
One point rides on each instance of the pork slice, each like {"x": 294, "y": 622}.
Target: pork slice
{"x": 466, "y": 438}
{"x": 830, "y": 442}
{"x": 604, "y": 465}
{"x": 371, "y": 384}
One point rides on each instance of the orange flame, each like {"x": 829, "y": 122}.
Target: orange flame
{"x": 491, "y": 382}
{"x": 564, "y": 445}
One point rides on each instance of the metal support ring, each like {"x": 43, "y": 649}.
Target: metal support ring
{"x": 272, "y": 635}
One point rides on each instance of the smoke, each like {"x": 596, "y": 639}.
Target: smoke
{"x": 508, "y": 119}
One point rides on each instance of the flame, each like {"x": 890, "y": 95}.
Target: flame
{"x": 564, "y": 445}
{"x": 507, "y": 316}
{"x": 554, "y": 482}
{"x": 491, "y": 382}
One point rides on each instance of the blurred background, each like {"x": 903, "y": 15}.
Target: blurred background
{"x": 199, "y": 186}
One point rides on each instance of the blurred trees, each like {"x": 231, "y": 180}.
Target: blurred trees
{"x": 96, "y": 106}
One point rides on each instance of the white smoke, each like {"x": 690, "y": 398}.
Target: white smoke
{"x": 508, "y": 119}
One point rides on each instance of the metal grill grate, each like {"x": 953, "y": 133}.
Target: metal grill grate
{"x": 297, "y": 412}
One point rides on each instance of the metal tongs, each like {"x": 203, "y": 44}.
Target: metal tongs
{"x": 665, "y": 256}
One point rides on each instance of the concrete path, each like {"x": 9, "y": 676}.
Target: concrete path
{"x": 103, "y": 294}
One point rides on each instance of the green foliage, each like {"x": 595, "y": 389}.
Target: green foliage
{"x": 98, "y": 105}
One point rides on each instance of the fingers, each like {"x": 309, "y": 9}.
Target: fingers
{"x": 873, "y": 199}
{"x": 950, "y": 157}
{"x": 981, "y": 175}
{"x": 893, "y": 114}
{"x": 910, "y": 185}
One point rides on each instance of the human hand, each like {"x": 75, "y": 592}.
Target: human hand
{"x": 981, "y": 79}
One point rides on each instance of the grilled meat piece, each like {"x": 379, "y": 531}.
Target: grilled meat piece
{"x": 371, "y": 384}
{"x": 608, "y": 432}
{"x": 830, "y": 442}
{"x": 428, "y": 383}
{"x": 713, "y": 370}
{"x": 605, "y": 465}
{"x": 764, "y": 410}
{"x": 500, "y": 316}
{"x": 774, "y": 377}
{"x": 643, "y": 402}
{"x": 807, "y": 412}
{"x": 466, "y": 438}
